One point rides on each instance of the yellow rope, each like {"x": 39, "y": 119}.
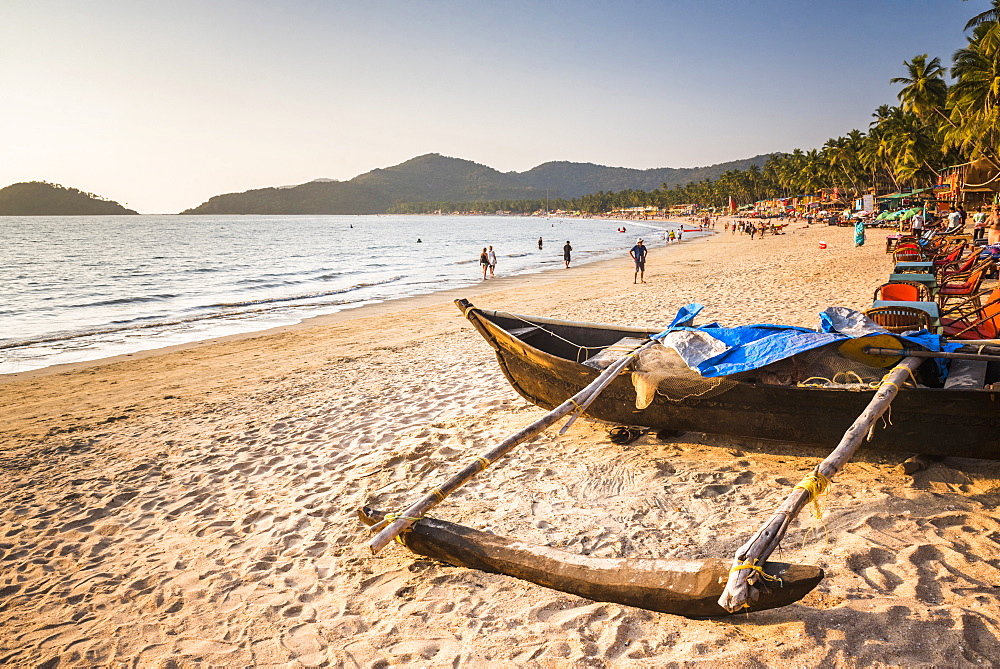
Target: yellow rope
{"x": 438, "y": 493}
{"x": 875, "y": 385}
{"x": 467, "y": 310}
{"x": 847, "y": 375}
{"x": 815, "y": 484}
{"x": 760, "y": 570}
{"x": 909, "y": 371}
{"x": 483, "y": 462}
{"x": 806, "y": 384}
{"x": 393, "y": 517}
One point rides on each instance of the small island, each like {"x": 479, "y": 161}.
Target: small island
{"x": 40, "y": 198}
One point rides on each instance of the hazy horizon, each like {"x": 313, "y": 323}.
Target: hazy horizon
{"x": 162, "y": 106}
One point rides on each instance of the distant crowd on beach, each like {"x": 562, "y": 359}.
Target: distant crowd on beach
{"x": 756, "y": 228}
{"x": 488, "y": 257}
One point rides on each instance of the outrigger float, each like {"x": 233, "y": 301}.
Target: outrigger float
{"x": 767, "y": 382}
{"x": 685, "y": 587}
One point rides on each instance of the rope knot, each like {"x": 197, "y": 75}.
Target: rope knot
{"x": 815, "y": 484}
{"x": 759, "y": 569}
{"x": 393, "y": 517}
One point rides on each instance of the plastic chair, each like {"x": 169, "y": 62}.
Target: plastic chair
{"x": 892, "y": 242}
{"x": 903, "y": 291}
{"x": 900, "y": 319}
{"x": 983, "y": 323}
{"x": 907, "y": 253}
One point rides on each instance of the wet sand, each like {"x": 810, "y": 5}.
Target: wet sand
{"x": 196, "y": 505}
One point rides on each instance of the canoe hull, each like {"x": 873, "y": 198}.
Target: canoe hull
{"x": 931, "y": 421}
{"x": 682, "y": 587}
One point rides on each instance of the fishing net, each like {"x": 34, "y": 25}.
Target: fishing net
{"x": 660, "y": 370}
{"x": 823, "y": 367}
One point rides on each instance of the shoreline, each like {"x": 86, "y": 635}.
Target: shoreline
{"x": 383, "y": 308}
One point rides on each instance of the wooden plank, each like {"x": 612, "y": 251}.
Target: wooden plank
{"x": 603, "y": 359}
{"x": 966, "y": 375}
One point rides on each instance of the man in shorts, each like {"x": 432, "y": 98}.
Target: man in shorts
{"x": 638, "y": 253}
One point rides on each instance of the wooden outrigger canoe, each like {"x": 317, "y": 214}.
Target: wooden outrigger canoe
{"x": 684, "y": 587}
{"x": 542, "y": 359}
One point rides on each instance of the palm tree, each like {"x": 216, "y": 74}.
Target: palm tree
{"x": 974, "y": 99}
{"x": 990, "y": 15}
{"x": 840, "y": 154}
{"x": 875, "y": 154}
{"x": 924, "y": 92}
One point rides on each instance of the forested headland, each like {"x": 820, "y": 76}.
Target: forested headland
{"x": 40, "y": 198}
{"x": 432, "y": 179}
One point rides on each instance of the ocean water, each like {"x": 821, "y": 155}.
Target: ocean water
{"x": 83, "y": 288}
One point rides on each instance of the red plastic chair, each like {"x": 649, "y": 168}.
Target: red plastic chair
{"x": 902, "y": 291}
{"x": 981, "y": 324}
{"x": 907, "y": 253}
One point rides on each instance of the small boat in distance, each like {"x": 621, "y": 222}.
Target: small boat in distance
{"x": 548, "y": 360}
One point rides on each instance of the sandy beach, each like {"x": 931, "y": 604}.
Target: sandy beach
{"x": 195, "y": 506}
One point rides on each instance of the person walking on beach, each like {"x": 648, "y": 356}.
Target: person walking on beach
{"x": 492, "y": 258}
{"x": 638, "y": 253}
{"x": 566, "y": 253}
{"x": 484, "y": 260}
{"x": 539, "y": 243}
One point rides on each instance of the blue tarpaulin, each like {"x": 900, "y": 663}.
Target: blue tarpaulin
{"x": 713, "y": 350}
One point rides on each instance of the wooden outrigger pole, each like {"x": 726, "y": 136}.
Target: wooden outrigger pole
{"x": 394, "y": 524}
{"x": 747, "y": 571}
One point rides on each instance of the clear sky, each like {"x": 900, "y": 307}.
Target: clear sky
{"x": 162, "y": 104}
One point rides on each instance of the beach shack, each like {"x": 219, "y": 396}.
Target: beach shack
{"x": 974, "y": 184}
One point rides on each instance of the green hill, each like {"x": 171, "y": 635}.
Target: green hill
{"x": 570, "y": 180}
{"x": 434, "y": 177}
{"x": 437, "y": 178}
{"x": 315, "y": 197}
{"x": 39, "y": 198}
